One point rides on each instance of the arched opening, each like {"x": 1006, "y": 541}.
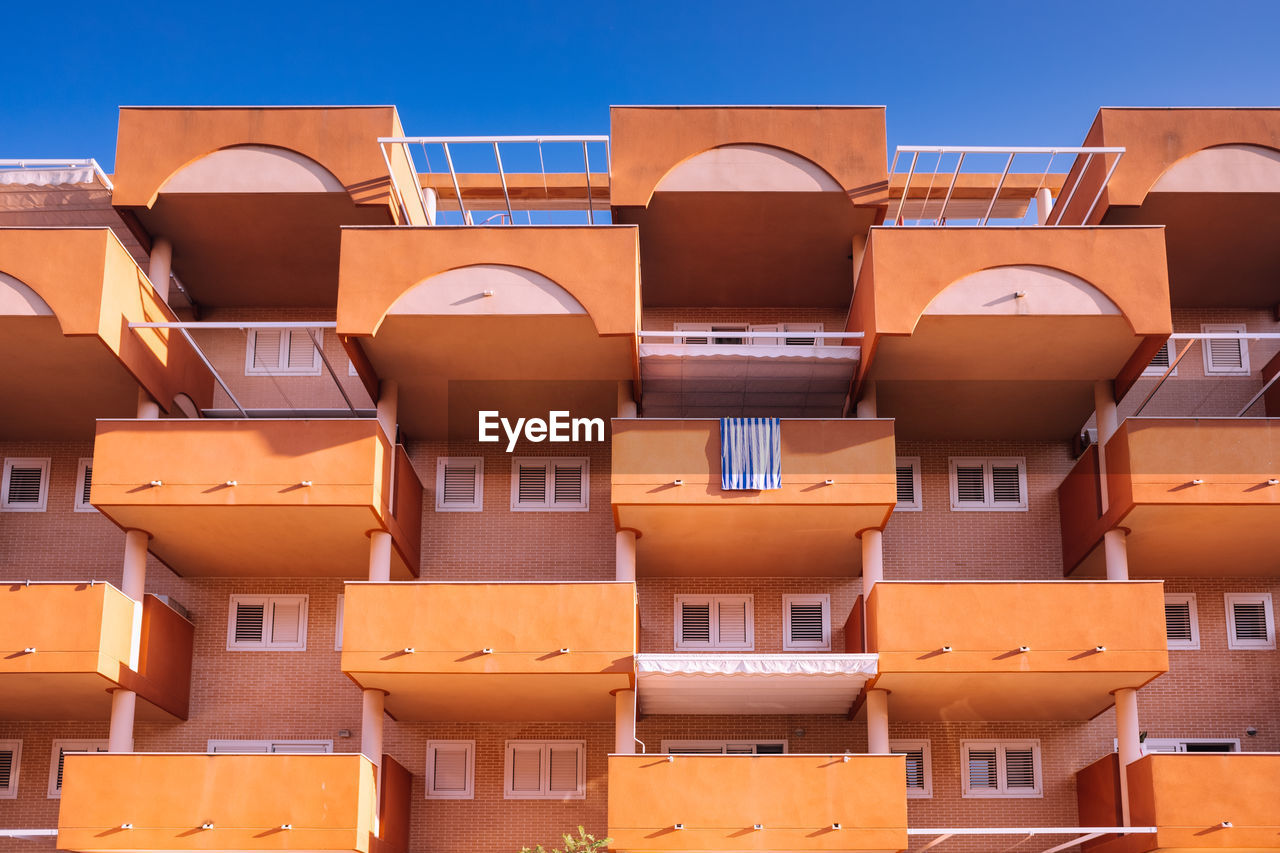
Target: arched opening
{"x": 482, "y": 289}
{"x": 1224, "y": 168}
{"x": 1021, "y": 289}
{"x": 252, "y": 169}
{"x": 747, "y": 168}
{"x": 18, "y": 300}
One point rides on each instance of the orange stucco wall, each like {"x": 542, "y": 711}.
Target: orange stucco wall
{"x": 847, "y": 142}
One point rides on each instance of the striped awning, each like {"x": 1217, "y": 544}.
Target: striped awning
{"x": 750, "y": 453}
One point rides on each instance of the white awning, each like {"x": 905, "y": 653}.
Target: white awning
{"x": 750, "y": 683}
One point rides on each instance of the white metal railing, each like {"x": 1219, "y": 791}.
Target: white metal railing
{"x": 564, "y": 150}
{"x": 1078, "y": 834}
{"x": 747, "y": 333}
{"x": 948, "y": 176}
{"x": 68, "y": 164}
{"x": 1188, "y": 339}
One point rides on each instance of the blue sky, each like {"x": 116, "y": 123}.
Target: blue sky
{"x": 1021, "y": 73}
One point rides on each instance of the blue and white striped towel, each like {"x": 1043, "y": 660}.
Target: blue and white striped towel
{"x": 750, "y": 453}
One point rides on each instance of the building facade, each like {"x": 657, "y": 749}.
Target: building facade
{"x": 725, "y": 483}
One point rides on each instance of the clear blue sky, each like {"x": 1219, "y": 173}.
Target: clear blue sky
{"x": 1009, "y": 73}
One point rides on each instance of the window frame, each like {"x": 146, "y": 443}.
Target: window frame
{"x": 11, "y": 462}
{"x": 905, "y": 745}
{"x": 1235, "y": 644}
{"x": 316, "y": 367}
{"x": 1154, "y": 370}
{"x": 544, "y": 770}
{"x": 548, "y": 494}
{"x": 790, "y": 645}
{"x": 58, "y": 749}
{"x": 429, "y": 791}
{"x": 714, "y": 617}
{"x": 918, "y": 504}
{"x": 78, "y": 504}
{"x": 15, "y": 747}
{"x": 1179, "y": 744}
{"x": 1001, "y": 747}
{"x": 1206, "y": 351}
{"x": 212, "y": 744}
{"x": 989, "y": 503}
{"x": 1188, "y": 598}
{"x": 476, "y": 505}
{"x": 678, "y": 743}
{"x": 269, "y": 601}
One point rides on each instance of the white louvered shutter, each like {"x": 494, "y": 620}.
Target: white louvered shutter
{"x": 802, "y": 340}
{"x": 63, "y": 752}
{"x": 906, "y": 484}
{"x": 969, "y": 483}
{"x": 1020, "y": 769}
{"x": 86, "y": 484}
{"x": 732, "y": 623}
{"x": 1177, "y": 621}
{"x": 806, "y": 620}
{"x": 7, "y": 766}
{"x": 915, "y": 767}
{"x": 1006, "y": 483}
{"x": 1225, "y": 356}
{"x": 449, "y": 777}
{"x": 767, "y": 341}
{"x": 525, "y": 769}
{"x": 532, "y": 484}
{"x": 301, "y": 354}
{"x": 982, "y": 770}
{"x": 695, "y": 623}
{"x": 459, "y": 483}
{"x": 563, "y": 775}
{"x": 26, "y": 486}
{"x": 1160, "y": 362}
{"x": 265, "y": 346}
{"x": 286, "y": 623}
{"x": 567, "y": 484}
{"x": 287, "y": 748}
{"x": 693, "y": 340}
{"x": 250, "y": 621}
{"x": 1249, "y": 621}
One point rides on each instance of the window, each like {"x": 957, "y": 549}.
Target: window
{"x": 277, "y": 352}
{"x": 62, "y": 748}
{"x": 459, "y": 484}
{"x": 806, "y": 623}
{"x": 989, "y": 484}
{"x": 337, "y": 628}
{"x": 919, "y": 773}
{"x": 26, "y": 485}
{"x": 10, "y": 755}
{"x": 736, "y": 334}
{"x": 802, "y": 340}
{"x": 1225, "y": 356}
{"x": 739, "y": 334}
{"x": 1001, "y": 768}
{"x": 1250, "y": 623}
{"x": 545, "y": 770}
{"x": 715, "y": 622}
{"x": 284, "y": 747}
{"x": 550, "y": 484}
{"x": 724, "y": 747}
{"x": 1180, "y": 622}
{"x": 1160, "y": 362}
{"x": 908, "y": 484}
{"x": 84, "y": 481}
{"x": 267, "y": 623}
{"x": 1186, "y": 744}
{"x": 451, "y": 769}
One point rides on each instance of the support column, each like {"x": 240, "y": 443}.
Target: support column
{"x": 625, "y": 555}
{"x": 1115, "y": 554}
{"x": 120, "y": 737}
{"x": 432, "y": 202}
{"x": 388, "y": 404}
{"x": 624, "y": 722}
{"x": 134, "y": 579}
{"x": 872, "y": 559}
{"x": 379, "y": 556}
{"x": 161, "y": 266}
{"x": 1130, "y": 750}
{"x": 867, "y": 402}
{"x": 1044, "y": 205}
{"x": 371, "y": 708}
{"x": 878, "y": 722}
{"x": 1104, "y": 406}
{"x": 626, "y": 400}
{"x": 148, "y": 409}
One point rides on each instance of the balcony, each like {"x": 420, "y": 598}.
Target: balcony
{"x": 252, "y": 198}
{"x": 65, "y": 646}
{"x": 523, "y": 320}
{"x": 838, "y": 479}
{"x": 957, "y": 321}
{"x": 1195, "y": 801}
{"x": 1187, "y": 490}
{"x": 734, "y": 201}
{"x": 163, "y": 802}
{"x": 67, "y": 296}
{"x": 765, "y": 802}
{"x": 260, "y": 498}
{"x": 1211, "y": 178}
{"x": 492, "y": 651}
{"x": 1002, "y": 651}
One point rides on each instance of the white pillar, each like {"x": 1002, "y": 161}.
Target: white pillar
{"x": 625, "y": 555}
{"x": 388, "y": 404}
{"x": 867, "y": 402}
{"x": 1104, "y": 405}
{"x": 148, "y": 409}
{"x": 379, "y": 556}
{"x": 160, "y": 267}
{"x": 1115, "y": 554}
{"x": 120, "y": 737}
{"x": 432, "y": 202}
{"x": 1129, "y": 748}
{"x": 626, "y": 400}
{"x": 134, "y": 580}
{"x": 371, "y": 707}
{"x": 624, "y": 722}
{"x": 872, "y": 559}
{"x": 1044, "y": 205}
{"x": 878, "y": 722}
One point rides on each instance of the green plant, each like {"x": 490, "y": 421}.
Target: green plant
{"x": 584, "y": 843}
